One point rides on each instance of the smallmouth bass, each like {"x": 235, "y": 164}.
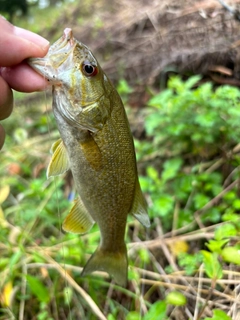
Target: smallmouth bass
{"x": 97, "y": 146}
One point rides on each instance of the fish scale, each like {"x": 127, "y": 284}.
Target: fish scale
{"x": 97, "y": 146}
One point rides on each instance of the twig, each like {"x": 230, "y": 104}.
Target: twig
{"x": 23, "y": 290}
{"x": 233, "y": 11}
{"x": 179, "y": 275}
{"x": 108, "y": 298}
{"x": 234, "y": 308}
{"x": 198, "y": 293}
{"x": 199, "y": 234}
{"x": 226, "y": 6}
{"x": 210, "y": 293}
{"x": 183, "y": 287}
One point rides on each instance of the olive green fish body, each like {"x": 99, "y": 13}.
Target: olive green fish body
{"x": 97, "y": 146}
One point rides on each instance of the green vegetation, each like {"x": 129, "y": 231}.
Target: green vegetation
{"x": 189, "y": 163}
{"x": 193, "y": 134}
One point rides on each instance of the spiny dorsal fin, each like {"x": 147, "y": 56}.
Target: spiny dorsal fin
{"x": 59, "y": 161}
{"x": 139, "y": 207}
{"x": 78, "y": 220}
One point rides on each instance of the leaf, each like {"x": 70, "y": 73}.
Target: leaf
{"x": 231, "y": 254}
{"x": 212, "y": 266}
{"x": 192, "y": 81}
{"x": 20, "y": 134}
{"x": 171, "y": 168}
{"x": 1, "y": 216}
{"x": 176, "y": 298}
{"x": 219, "y": 315}
{"x": 225, "y": 231}
{"x": 4, "y": 192}
{"x": 178, "y": 247}
{"x": 157, "y": 311}
{"x": 123, "y": 87}
{"x": 231, "y": 216}
{"x": 67, "y": 294}
{"x": 236, "y": 204}
{"x": 14, "y": 259}
{"x": 133, "y": 315}
{"x": 152, "y": 173}
{"x": 144, "y": 255}
{"x": 38, "y": 289}
{"x": 216, "y": 245}
{"x": 164, "y": 204}
{"x": 6, "y": 295}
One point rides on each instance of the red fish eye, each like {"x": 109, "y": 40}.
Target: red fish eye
{"x": 89, "y": 69}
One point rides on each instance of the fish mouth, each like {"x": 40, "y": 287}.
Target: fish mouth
{"x": 58, "y": 53}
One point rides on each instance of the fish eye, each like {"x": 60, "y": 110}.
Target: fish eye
{"x": 89, "y": 69}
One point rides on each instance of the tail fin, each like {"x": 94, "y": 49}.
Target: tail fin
{"x": 114, "y": 263}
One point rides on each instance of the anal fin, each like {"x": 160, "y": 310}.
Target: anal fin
{"x": 78, "y": 220}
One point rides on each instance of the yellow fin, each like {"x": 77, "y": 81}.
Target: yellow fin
{"x": 59, "y": 161}
{"x": 115, "y": 263}
{"x": 55, "y": 145}
{"x": 78, "y": 220}
{"x": 139, "y": 207}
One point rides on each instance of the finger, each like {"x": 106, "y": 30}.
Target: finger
{"x": 19, "y": 44}
{"x": 2, "y": 136}
{"x": 23, "y": 78}
{"x": 31, "y": 36}
{"x": 23, "y": 33}
{"x": 6, "y": 99}
{"x": 17, "y": 50}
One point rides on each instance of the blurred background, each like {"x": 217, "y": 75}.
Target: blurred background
{"x": 176, "y": 66}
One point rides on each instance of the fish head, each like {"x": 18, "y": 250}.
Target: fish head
{"x": 73, "y": 71}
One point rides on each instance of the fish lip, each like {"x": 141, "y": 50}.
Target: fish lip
{"x": 44, "y": 68}
{"x": 48, "y": 66}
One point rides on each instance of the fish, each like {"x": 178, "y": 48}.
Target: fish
{"x": 96, "y": 144}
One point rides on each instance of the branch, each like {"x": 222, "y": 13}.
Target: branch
{"x": 235, "y": 12}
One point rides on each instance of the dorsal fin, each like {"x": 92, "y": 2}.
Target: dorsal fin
{"x": 139, "y": 207}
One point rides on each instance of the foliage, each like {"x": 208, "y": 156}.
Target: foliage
{"x": 188, "y": 126}
{"x": 14, "y": 6}
{"x": 190, "y": 133}
{"x": 219, "y": 315}
{"x": 202, "y": 121}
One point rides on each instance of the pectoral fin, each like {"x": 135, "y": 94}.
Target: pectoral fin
{"x": 92, "y": 152}
{"x": 59, "y": 161}
{"x": 55, "y": 145}
{"x": 78, "y": 220}
{"x": 139, "y": 208}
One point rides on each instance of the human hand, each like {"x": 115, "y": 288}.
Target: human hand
{"x": 16, "y": 45}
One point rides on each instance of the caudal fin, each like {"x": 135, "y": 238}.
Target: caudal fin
{"x": 114, "y": 263}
